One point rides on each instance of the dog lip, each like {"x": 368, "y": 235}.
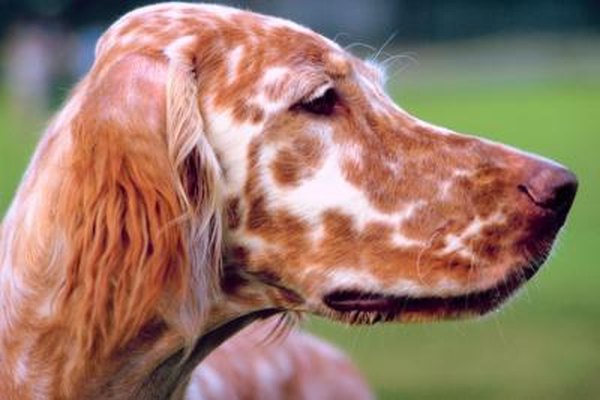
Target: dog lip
{"x": 355, "y": 300}
{"x": 393, "y": 306}
{"x": 346, "y": 301}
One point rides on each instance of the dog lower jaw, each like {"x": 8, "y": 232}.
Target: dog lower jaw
{"x": 357, "y": 307}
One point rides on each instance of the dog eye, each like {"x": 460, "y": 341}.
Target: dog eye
{"x": 322, "y": 105}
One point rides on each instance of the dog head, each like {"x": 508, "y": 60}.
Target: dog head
{"x": 333, "y": 194}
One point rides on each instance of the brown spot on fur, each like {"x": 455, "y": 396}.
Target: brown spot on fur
{"x": 299, "y": 161}
{"x": 243, "y": 112}
{"x": 233, "y": 213}
{"x": 257, "y": 214}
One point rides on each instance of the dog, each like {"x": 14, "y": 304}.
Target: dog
{"x": 216, "y": 167}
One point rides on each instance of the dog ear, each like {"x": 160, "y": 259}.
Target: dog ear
{"x": 199, "y": 175}
{"x": 140, "y": 208}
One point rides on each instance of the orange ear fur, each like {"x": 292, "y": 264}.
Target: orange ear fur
{"x": 199, "y": 182}
{"x": 140, "y": 208}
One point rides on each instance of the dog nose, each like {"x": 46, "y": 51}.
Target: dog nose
{"x": 551, "y": 186}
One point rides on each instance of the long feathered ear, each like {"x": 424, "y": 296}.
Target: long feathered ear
{"x": 140, "y": 208}
{"x": 199, "y": 176}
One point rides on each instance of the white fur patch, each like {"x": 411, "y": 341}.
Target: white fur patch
{"x": 345, "y": 278}
{"x": 459, "y": 242}
{"x": 406, "y": 287}
{"x": 328, "y": 190}
{"x": 231, "y": 141}
{"x": 233, "y": 62}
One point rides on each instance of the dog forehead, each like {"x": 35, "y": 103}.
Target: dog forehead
{"x": 274, "y": 56}
{"x": 158, "y": 24}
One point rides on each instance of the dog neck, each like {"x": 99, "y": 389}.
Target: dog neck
{"x": 168, "y": 379}
{"x": 36, "y": 350}
{"x": 156, "y": 364}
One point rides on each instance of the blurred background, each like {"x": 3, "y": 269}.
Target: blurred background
{"x": 522, "y": 72}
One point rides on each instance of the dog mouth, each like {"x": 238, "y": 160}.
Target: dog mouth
{"x": 363, "y": 307}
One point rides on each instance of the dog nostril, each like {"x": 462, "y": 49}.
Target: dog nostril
{"x": 552, "y": 188}
{"x": 524, "y": 189}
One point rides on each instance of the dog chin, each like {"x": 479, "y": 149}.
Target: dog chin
{"x": 355, "y": 306}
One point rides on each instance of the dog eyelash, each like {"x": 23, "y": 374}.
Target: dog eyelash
{"x": 321, "y": 105}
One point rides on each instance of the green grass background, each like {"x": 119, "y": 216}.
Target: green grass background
{"x": 546, "y": 343}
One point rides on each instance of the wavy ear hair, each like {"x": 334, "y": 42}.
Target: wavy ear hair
{"x": 140, "y": 205}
